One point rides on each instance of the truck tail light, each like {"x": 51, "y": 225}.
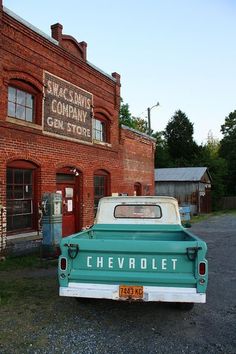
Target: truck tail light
{"x": 63, "y": 263}
{"x": 202, "y": 268}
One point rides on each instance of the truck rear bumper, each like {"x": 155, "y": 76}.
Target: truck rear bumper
{"x": 151, "y": 293}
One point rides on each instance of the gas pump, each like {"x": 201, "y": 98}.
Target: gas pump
{"x": 51, "y": 223}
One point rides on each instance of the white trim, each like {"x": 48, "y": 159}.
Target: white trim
{"x": 23, "y": 123}
{"x": 151, "y": 293}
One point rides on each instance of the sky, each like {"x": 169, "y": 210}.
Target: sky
{"x": 180, "y": 53}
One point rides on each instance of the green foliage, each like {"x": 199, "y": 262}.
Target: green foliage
{"x": 175, "y": 147}
{"x": 162, "y": 156}
{"x": 228, "y": 151}
{"x": 32, "y": 261}
{"x": 217, "y": 166}
{"x": 229, "y": 128}
{"x": 140, "y": 124}
{"x": 130, "y": 121}
{"x": 125, "y": 117}
{"x": 179, "y": 139}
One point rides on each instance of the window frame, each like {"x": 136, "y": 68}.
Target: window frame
{"x": 26, "y": 166}
{"x": 106, "y": 176}
{"x": 37, "y": 101}
{"x": 17, "y": 106}
{"x": 145, "y": 217}
{"x": 105, "y": 131}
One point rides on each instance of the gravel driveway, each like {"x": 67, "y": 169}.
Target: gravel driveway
{"x": 42, "y": 323}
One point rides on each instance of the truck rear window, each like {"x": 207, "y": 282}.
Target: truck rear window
{"x": 138, "y": 211}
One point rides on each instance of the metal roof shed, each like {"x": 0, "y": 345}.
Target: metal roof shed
{"x": 190, "y": 185}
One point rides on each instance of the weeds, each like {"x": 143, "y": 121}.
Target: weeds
{"x": 28, "y": 261}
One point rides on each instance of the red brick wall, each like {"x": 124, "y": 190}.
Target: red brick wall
{"x": 138, "y": 161}
{"x": 128, "y": 158}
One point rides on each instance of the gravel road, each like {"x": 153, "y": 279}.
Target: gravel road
{"x": 63, "y": 325}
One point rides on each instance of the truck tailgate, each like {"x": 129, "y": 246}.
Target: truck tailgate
{"x": 164, "y": 263}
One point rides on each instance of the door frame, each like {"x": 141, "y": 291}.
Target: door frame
{"x": 77, "y": 183}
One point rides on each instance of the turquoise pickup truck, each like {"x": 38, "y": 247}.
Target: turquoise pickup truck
{"x": 137, "y": 250}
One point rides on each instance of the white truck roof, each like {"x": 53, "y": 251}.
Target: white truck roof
{"x": 168, "y": 206}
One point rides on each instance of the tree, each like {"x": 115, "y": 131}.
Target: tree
{"x": 179, "y": 138}
{"x": 217, "y": 166}
{"x": 162, "y": 156}
{"x": 228, "y": 151}
{"x": 127, "y": 119}
{"x": 140, "y": 124}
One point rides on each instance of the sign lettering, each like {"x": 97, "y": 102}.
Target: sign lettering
{"x": 67, "y": 109}
{"x": 159, "y": 264}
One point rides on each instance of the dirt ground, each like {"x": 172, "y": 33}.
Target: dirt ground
{"x": 34, "y": 319}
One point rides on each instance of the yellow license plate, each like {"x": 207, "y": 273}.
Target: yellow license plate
{"x": 131, "y": 292}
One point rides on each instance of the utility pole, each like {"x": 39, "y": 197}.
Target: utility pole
{"x": 149, "y": 117}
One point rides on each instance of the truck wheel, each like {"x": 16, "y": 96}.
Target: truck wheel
{"x": 184, "y": 306}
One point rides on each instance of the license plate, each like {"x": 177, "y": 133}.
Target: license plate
{"x": 131, "y": 292}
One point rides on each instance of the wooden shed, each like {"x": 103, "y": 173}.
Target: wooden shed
{"x": 191, "y": 186}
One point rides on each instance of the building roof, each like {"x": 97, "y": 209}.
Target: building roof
{"x": 181, "y": 174}
{"x": 52, "y": 40}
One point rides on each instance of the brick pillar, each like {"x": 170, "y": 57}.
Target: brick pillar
{"x": 117, "y": 90}
{"x": 57, "y": 31}
{"x": 84, "y": 49}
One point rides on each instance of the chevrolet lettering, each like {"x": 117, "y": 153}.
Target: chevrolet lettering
{"x": 132, "y": 263}
{"x": 137, "y": 250}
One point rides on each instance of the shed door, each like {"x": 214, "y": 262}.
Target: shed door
{"x": 205, "y": 202}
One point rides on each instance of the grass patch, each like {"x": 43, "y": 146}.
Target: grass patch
{"x": 27, "y": 261}
{"x": 202, "y": 217}
{"x": 26, "y": 290}
{"x": 27, "y": 308}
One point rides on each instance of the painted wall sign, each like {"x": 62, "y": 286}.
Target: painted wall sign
{"x": 67, "y": 109}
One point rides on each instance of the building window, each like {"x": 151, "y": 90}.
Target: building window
{"x": 20, "y": 104}
{"x": 99, "y": 130}
{"x": 100, "y": 187}
{"x": 21, "y": 198}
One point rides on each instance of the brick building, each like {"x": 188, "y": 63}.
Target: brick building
{"x": 59, "y": 129}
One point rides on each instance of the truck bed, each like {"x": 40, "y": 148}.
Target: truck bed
{"x": 111, "y": 255}
{"x": 137, "y": 232}
{"x": 137, "y": 249}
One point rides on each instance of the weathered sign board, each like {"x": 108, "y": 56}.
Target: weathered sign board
{"x": 67, "y": 109}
